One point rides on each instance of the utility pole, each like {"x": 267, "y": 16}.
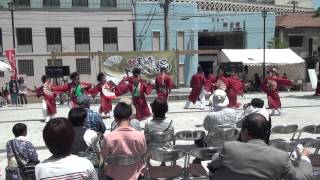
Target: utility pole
{"x": 11, "y": 7}
{"x": 264, "y": 16}
{"x": 166, "y": 24}
{"x": 294, "y": 4}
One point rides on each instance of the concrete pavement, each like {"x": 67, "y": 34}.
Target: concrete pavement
{"x": 298, "y": 108}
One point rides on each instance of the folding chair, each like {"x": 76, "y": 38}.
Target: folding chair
{"x": 197, "y": 170}
{"x": 284, "y": 129}
{"x": 166, "y": 172}
{"x": 189, "y": 136}
{"x": 220, "y": 135}
{"x": 161, "y": 138}
{"x": 313, "y": 143}
{"x": 122, "y": 160}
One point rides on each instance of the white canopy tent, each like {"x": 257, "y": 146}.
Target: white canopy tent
{"x": 285, "y": 60}
{"x": 4, "y": 66}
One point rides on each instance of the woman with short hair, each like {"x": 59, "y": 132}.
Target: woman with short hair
{"x": 58, "y": 135}
{"x": 159, "y": 123}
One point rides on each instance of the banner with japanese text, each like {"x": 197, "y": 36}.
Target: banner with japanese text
{"x": 116, "y": 64}
{"x": 11, "y": 55}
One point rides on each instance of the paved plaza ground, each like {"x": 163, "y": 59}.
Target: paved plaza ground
{"x": 298, "y": 108}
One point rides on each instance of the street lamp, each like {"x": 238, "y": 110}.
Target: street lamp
{"x": 12, "y": 7}
{"x": 264, "y": 16}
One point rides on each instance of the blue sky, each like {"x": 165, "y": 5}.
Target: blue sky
{"x": 316, "y": 3}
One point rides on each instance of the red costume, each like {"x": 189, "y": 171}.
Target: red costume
{"x": 163, "y": 85}
{"x": 197, "y": 84}
{"x": 210, "y": 83}
{"x": 235, "y": 87}
{"x": 70, "y": 88}
{"x": 138, "y": 88}
{"x": 106, "y": 93}
{"x": 270, "y": 86}
{"x": 49, "y": 97}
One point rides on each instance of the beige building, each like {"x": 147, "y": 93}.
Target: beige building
{"x": 39, "y": 31}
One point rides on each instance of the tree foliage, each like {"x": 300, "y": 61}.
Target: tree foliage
{"x": 276, "y": 43}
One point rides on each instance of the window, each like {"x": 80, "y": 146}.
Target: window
{"x": 83, "y": 66}
{"x": 81, "y": 35}
{"x": 108, "y": 3}
{"x": 156, "y": 41}
{"x": 110, "y": 39}
{"x": 180, "y": 41}
{"x": 51, "y": 3}
{"x": 53, "y": 36}
{"x": 1, "y": 74}
{"x": 23, "y": 3}
{"x": 56, "y": 62}
{"x": 295, "y": 41}
{"x": 24, "y": 40}
{"x": 24, "y": 36}
{"x": 80, "y": 3}
{"x": 26, "y": 67}
{"x": 82, "y": 39}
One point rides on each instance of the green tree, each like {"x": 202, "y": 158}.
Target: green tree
{"x": 317, "y": 12}
{"x": 276, "y": 43}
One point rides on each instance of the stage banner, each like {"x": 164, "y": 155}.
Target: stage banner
{"x": 11, "y": 55}
{"x": 116, "y": 65}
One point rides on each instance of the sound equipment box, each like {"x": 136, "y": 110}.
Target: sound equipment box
{"x": 57, "y": 71}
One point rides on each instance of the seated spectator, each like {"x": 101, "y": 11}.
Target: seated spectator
{"x": 93, "y": 120}
{"x": 219, "y": 116}
{"x": 252, "y": 159}
{"x": 20, "y": 148}
{"x": 124, "y": 141}
{"x": 255, "y": 106}
{"x": 58, "y": 135}
{"x": 134, "y": 123}
{"x": 77, "y": 117}
{"x": 159, "y": 123}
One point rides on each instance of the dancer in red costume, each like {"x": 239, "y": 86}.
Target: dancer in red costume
{"x": 197, "y": 83}
{"x": 75, "y": 88}
{"x": 163, "y": 84}
{"x": 270, "y": 86}
{"x": 235, "y": 87}
{"x": 318, "y": 86}
{"x": 49, "y": 101}
{"x": 139, "y": 88}
{"x": 105, "y": 89}
{"x": 211, "y": 82}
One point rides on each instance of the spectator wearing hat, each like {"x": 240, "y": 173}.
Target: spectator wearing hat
{"x": 219, "y": 116}
{"x": 256, "y": 106}
{"x": 134, "y": 123}
{"x": 163, "y": 84}
{"x": 93, "y": 120}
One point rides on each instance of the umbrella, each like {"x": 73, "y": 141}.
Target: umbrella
{"x": 4, "y": 66}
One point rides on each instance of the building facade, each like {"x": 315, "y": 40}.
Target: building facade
{"x": 302, "y": 34}
{"x": 192, "y": 29}
{"x": 42, "y": 27}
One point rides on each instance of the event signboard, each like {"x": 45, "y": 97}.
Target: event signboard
{"x": 116, "y": 64}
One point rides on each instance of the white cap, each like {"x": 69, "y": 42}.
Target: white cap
{"x": 219, "y": 98}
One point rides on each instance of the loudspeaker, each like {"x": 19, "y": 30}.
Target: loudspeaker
{"x": 57, "y": 71}
{"x": 65, "y": 70}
